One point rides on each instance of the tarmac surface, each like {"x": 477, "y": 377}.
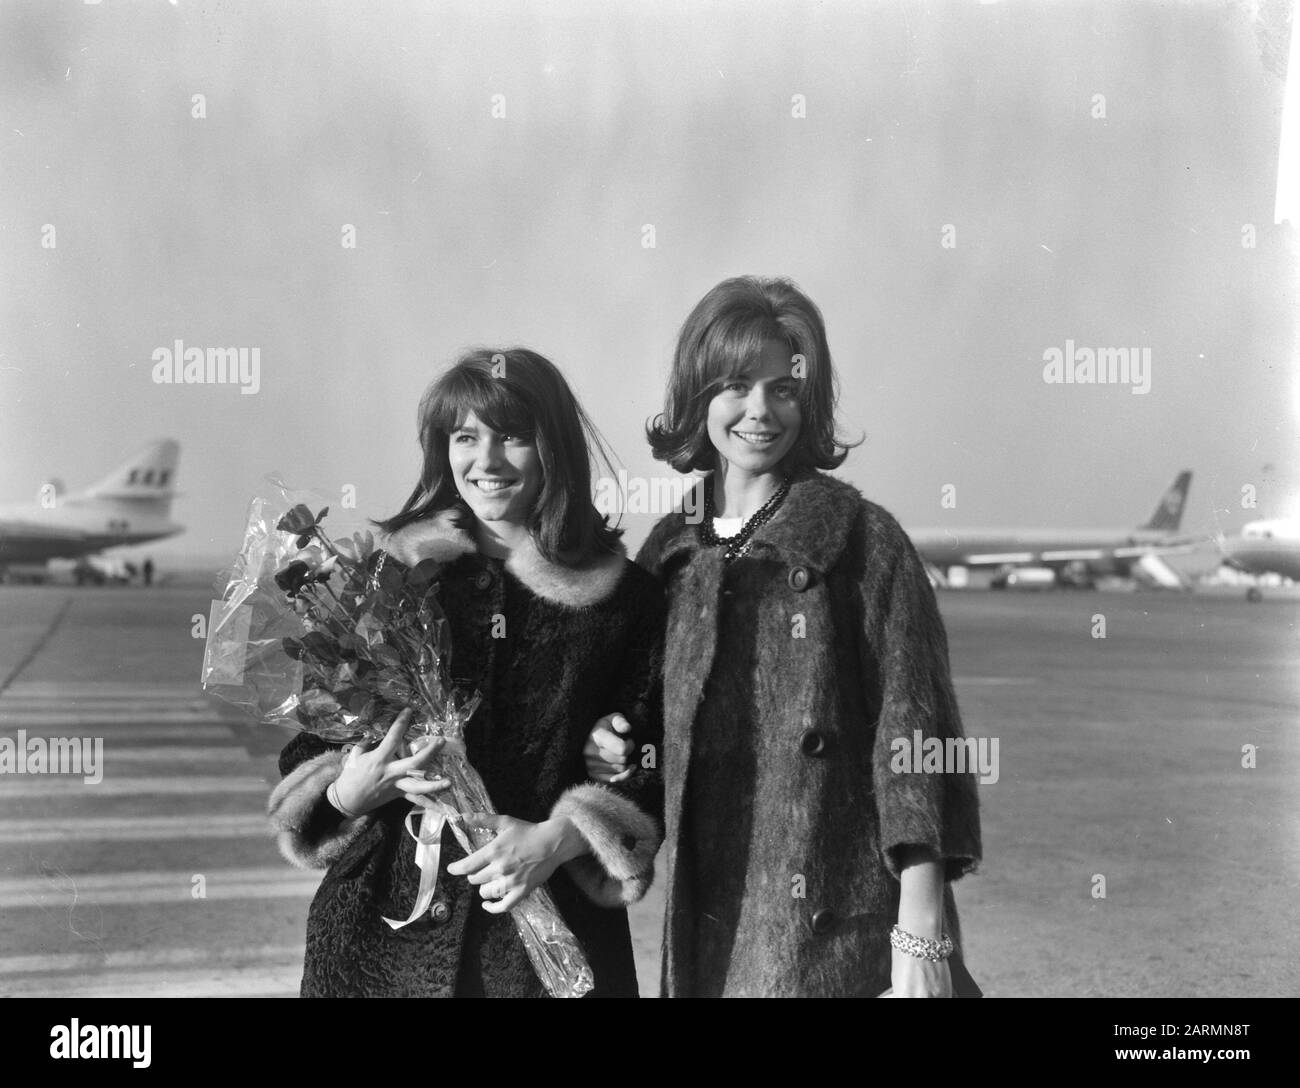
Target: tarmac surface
{"x": 1119, "y": 758}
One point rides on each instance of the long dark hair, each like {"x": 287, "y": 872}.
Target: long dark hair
{"x": 515, "y": 391}
{"x": 727, "y": 330}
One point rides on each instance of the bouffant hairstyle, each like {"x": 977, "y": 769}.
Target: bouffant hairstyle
{"x": 726, "y": 331}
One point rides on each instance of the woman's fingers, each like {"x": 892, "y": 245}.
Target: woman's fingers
{"x": 613, "y": 750}
{"x": 473, "y": 863}
{"x": 428, "y": 742}
{"x": 612, "y": 742}
{"x": 424, "y": 786}
{"x": 508, "y": 902}
{"x": 485, "y": 875}
{"x": 393, "y": 738}
{"x": 422, "y": 757}
{"x": 363, "y": 747}
{"x": 484, "y": 855}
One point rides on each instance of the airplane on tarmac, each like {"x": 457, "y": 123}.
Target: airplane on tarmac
{"x": 131, "y": 505}
{"x": 1066, "y": 556}
{"x": 1265, "y": 547}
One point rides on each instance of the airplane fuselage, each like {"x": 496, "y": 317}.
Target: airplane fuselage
{"x": 1267, "y": 547}
{"x": 72, "y": 531}
{"x": 129, "y": 505}
{"x": 1101, "y": 549}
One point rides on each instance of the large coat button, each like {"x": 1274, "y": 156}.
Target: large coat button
{"x": 798, "y": 579}
{"x": 813, "y": 742}
{"x": 823, "y": 921}
{"x": 483, "y": 579}
{"x": 440, "y": 914}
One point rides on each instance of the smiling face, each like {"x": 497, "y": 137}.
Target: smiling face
{"x": 498, "y": 475}
{"x": 754, "y": 420}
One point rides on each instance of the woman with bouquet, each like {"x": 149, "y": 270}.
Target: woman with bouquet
{"x": 554, "y": 627}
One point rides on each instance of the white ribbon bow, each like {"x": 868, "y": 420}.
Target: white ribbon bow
{"x": 428, "y": 843}
{"x": 428, "y": 853}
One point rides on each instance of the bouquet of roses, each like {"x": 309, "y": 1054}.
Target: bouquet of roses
{"x": 336, "y": 637}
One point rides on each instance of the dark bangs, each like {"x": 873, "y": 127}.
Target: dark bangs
{"x": 514, "y": 391}
{"x": 447, "y": 404}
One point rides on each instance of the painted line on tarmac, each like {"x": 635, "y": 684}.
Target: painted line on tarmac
{"x": 67, "y": 890}
{"x": 190, "y": 697}
{"x": 39, "y": 644}
{"x": 995, "y": 680}
{"x": 95, "y": 717}
{"x": 147, "y": 732}
{"x": 108, "y": 706}
{"x": 135, "y": 959}
{"x": 133, "y": 689}
{"x": 168, "y": 753}
{"x": 136, "y": 828}
{"x": 43, "y": 785}
{"x": 115, "y": 755}
{"x": 223, "y": 982}
{"x": 110, "y": 691}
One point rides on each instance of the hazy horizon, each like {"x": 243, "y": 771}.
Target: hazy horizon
{"x": 520, "y": 219}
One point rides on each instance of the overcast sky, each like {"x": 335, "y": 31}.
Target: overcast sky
{"x": 1122, "y": 230}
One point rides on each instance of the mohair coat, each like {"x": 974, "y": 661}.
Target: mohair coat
{"x": 578, "y": 644}
{"x": 848, "y": 652}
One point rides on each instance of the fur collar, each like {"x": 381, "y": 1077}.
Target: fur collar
{"x": 810, "y": 529}
{"x": 438, "y": 537}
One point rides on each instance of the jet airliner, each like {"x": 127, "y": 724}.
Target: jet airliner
{"x": 131, "y": 505}
{"x": 1264, "y": 547}
{"x": 1072, "y": 555}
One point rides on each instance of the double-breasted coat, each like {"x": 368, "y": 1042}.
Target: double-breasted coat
{"x": 551, "y": 649}
{"x": 788, "y": 674}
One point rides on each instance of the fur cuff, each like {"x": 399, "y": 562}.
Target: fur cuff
{"x": 293, "y": 809}
{"x": 623, "y": 841}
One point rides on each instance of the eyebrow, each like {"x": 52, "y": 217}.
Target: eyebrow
{"x": 746, "y": 375}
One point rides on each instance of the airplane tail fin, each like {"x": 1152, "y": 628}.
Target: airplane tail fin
{"x": 1169, "y": 511}
{"x": 147, "y": 476}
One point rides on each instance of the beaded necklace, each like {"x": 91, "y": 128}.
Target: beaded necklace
{"x": 733, "y": 547}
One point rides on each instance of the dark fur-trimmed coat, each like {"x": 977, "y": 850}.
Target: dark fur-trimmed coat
{"x": 579, "y": 643}
{"x": 842, "y": 651}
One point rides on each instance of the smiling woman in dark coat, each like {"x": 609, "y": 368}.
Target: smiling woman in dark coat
{"x": 505, "y": 502}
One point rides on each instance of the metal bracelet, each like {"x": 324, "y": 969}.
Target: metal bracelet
{"x": 332, "y": 796}
{"x": 921, "y": 947}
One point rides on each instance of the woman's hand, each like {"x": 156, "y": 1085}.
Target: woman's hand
{"x": 609, "y": 749}
{"x": 371, "y": 778}
{"x": 521, "y": 857}
{"x": 913, "y": 976}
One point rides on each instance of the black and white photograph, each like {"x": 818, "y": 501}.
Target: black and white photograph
{"x": 684, "y": 499}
